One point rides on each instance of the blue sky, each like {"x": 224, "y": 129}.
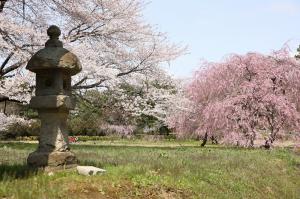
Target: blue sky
{"x": 213, "y": 29}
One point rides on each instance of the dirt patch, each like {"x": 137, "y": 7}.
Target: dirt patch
{"x": 123, "y": 190}
{"x": 83, "y": 190}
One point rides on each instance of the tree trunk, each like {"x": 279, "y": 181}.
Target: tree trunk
{"x": 204, "y": 140}
{"x": 214, "y": 140}
{"x": 4, "y": 111}
{"x": 251, "y": 145}
{"x": 268, "y": 144}
{"x": 2, "y": 3}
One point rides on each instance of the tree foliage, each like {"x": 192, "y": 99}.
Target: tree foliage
{"x": 244, "y": 98}
{"x": 98, "y": 112}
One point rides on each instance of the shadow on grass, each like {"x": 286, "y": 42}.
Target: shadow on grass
{"x": 8, "y": 172}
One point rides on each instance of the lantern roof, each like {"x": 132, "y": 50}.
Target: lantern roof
{"x": 54, "y": 56}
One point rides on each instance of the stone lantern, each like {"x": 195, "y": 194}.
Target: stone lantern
{"x": 54, "y": 66}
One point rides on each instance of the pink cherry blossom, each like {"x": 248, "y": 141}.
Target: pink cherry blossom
{"x": 244, "y": 98}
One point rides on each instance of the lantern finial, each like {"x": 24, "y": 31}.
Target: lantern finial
{"x": 53, "y": 32}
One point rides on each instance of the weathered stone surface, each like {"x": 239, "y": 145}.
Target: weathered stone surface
{"x": 53, "y": 82}
{"x": 53, "y": 134}
{"x": 55, "y": 159}
{"x": 54, "y": 58}
{"x": 52, "y": 101}
{"x": 89, "y": 170}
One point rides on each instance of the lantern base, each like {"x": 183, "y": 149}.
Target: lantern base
{"x": 52, "y": 160}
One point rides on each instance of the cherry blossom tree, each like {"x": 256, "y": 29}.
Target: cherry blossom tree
{"x": 244, "y": 98}
{"x": 5, "y": 121}
{"x": 144, "y": 105}
{"x": 110, "y": 38}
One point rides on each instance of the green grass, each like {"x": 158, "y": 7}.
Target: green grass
{"x": 164, "y": 169}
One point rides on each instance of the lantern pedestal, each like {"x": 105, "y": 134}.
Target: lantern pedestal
{"x": 51, "y": 161}
{"x": 53, "y": 151}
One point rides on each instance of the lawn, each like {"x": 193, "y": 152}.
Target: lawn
{"x": 164, "y": 169}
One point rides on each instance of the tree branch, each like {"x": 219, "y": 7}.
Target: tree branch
{"x": 6, "y": 61}
{"x": 138, "y": 65}
{"x": 80, "y": 82}
{"x": 12, "y": 67}
{"x": 97, "y": 84}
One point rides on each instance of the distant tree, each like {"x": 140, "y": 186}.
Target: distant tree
{"x": 141, "y": 106}
{"x": 244, "y": 97}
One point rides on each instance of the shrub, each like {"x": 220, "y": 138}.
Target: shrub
{"x": 21, "y": 129}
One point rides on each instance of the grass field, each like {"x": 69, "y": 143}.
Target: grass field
{"x": 164, "y": 169}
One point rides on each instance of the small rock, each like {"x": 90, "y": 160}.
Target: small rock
{"x": 50, "y": 174}
{"x": 89, "y": 170}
